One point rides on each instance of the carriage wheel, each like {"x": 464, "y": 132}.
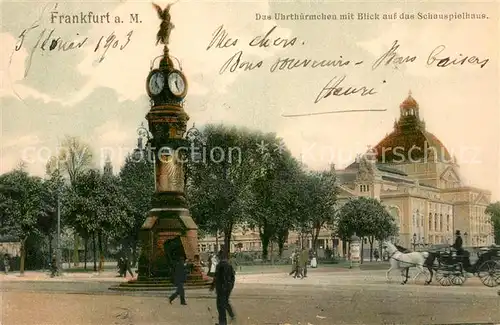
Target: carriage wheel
{"x": 458, "y": 279}
{"x": 489, "y": 273}
{"x": 444, "y": 278}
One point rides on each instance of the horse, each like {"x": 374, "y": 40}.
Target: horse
{"x": 428, "y": 263}
{"x": 404, "y": 261}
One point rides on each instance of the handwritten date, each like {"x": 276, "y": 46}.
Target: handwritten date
{"x": 112, "y": 42}
{"x": 47, "y": 40}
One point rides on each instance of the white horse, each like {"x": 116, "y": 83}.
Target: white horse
{"x": 404, "y": 261}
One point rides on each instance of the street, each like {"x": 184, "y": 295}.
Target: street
{"x": 341, "y": 297}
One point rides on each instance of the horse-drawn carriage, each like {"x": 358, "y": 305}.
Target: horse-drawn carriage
{"x": 452, "y": 269}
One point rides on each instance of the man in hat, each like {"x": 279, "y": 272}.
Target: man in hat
{"x": 180, "y": 276}
{"x": 461, "y": 252}
{"x": 223, "y": 283}
{"x": 458, "y": 244}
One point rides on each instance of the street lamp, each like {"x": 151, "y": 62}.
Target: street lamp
{"x": 58, "y": 255}
{"x": 414, "y": 241}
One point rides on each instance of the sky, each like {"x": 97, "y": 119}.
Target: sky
{"x": 97, "y": 92}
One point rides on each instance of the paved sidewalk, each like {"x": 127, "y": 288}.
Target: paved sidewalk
{"x": 111, "y": 276}
{"x": 107, "y": 276}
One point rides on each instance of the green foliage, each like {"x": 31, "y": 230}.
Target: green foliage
{"x": 273, "y": 193}
{"x": 494, "y": 211}
{"x": 96, "y": 203}
{"x": 366, "y": 217}
{"x": 137, "y": 181}
{"x": 219, "y": 188}
{"x": 316, "y": 201}
{"x": 22, "y": 203}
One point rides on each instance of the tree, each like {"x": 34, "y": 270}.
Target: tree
{"x": 318, "y": 199}
{"x": 97, "y": 207}
{"x": 272, "y": 193}
{"x": 54, "y": 188}
{"x": 366, "y": 217}
{"x": 74, "y": 158}
{"x": 494, "y": 211}
{"x": 137, "y": 180}
{"x": 23, "y": 204}
{"x": 113, "y": 212}
{"x": 219, "y": 187}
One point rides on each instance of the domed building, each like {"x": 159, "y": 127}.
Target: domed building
{"x": 412, "y": 173}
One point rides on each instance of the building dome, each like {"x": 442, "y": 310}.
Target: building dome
{"x": 409, "y": 102}
{"x": 410, "y": 142}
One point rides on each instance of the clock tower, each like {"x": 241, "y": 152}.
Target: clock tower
{"x": 168, "y": 233}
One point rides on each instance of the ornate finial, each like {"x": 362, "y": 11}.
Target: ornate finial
{"x": 166, "y": 26}
{"x": 409, "y": 93}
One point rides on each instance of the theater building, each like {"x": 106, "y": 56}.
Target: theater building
{"x": 413, "y": 174}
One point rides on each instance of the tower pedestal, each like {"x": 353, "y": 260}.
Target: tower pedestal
{"x": 167, "y": 234}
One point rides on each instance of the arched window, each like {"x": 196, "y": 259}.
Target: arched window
{"x": 448, "y": 222}
{"x": 435, "y": 221}
{"x": 440, "y": 222}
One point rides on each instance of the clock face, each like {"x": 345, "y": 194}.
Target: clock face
{"x": 176, "y": 84}
{"x": 156, "y": 83}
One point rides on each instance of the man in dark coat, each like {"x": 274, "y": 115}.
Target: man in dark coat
{"x": 465, "y": 256}
{"x": 458, "y": 244}
{"x": 180, "y": 277}
{"x": 53, "y": 266}
{"x": 304, "y": 259}
{"x": 223, "y": 283}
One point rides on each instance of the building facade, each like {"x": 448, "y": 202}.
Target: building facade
{"x": 413, "y": 174}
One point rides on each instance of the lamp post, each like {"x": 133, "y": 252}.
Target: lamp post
{"x": 414, "y": 241}
{"x": 58, "y": 254}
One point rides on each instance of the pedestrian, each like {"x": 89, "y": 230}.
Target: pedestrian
{"x": 122, "y": 267}
{"x": 294, "y": 265}
{"x": 212, "y": 264}
{"x": 53, "y": 266}
{"x": 298, "y": 268}
{"x": 314, "y": 261}
{"x": 127, "y": 267}
{"x": 234, "y": 263}
{"x": 180, "y": 277}
{"x": 304, "y": 259}
{"x": 223, "y": 284}
{"x": 6, "y": 263}
{"x": 376, "y": 255}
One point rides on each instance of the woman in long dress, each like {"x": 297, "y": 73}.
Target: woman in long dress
{"x": 314, "y": 262}
{"x": 212, "y": 264}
